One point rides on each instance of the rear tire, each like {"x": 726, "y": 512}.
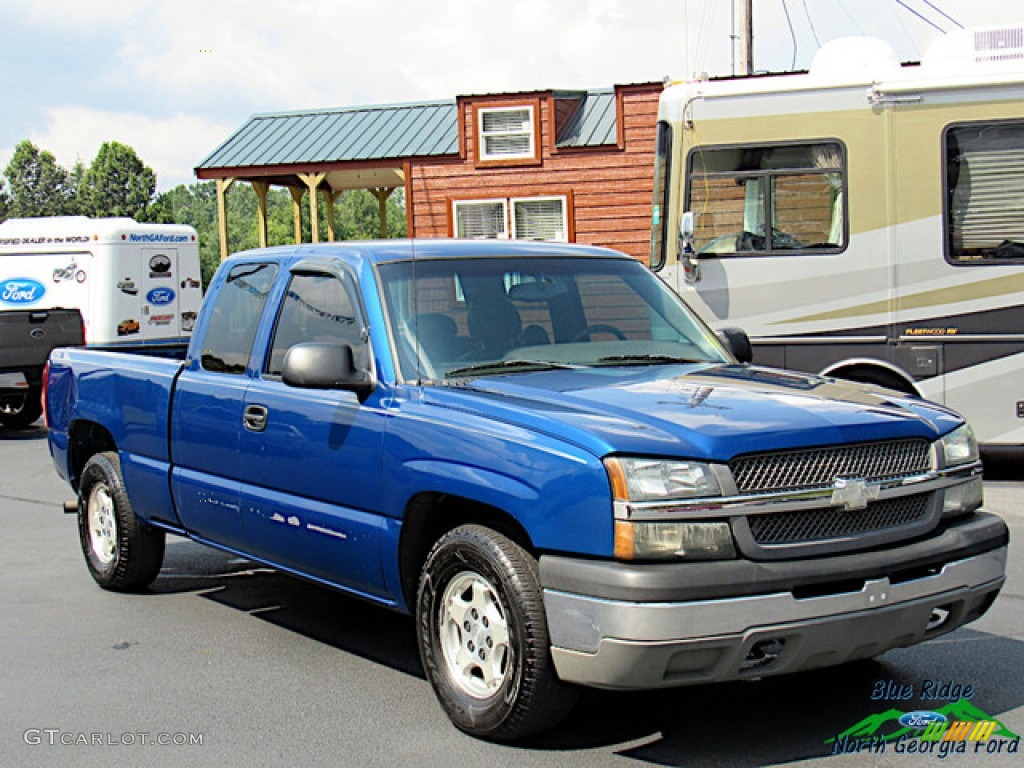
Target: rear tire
{"x": 21, "y": 411}
{"x": 483, "y": 637}
{"x": 122, "y": 552}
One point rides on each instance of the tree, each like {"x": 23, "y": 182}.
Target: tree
{"x": 38, "y": 185}
{"x": 4, "y": 201}
{"x": 117, "y": 184}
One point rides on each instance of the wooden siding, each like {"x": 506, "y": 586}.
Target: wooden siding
{"x": 610, "y": 186}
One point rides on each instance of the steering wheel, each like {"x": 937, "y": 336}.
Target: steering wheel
{"x": 599, "y": 328}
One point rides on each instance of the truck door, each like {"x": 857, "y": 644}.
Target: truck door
{"x": 310, "y": 459}
{"x": 208, "y": 402}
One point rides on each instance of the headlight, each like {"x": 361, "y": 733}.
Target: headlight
{"x": 960, "y": 446}
{"x": 636, "y": 479}
{"x": 640, "y": 484}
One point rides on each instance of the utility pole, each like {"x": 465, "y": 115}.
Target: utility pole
{"x": 746, "y": 36}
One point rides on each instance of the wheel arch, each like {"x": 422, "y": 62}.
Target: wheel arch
{"x": 86, "y": 439}
{"x": 867, "y": 370}
{"x": 430, "y": 515}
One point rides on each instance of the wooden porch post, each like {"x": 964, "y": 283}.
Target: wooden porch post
{"x": 382, "y": 194}
{"x": 261, "y": 189}
{"x": 297, "y": 211}
{"x": 312, "y": 181}
{"x": 223, "y": 185}
{"x": 329, "y": 197}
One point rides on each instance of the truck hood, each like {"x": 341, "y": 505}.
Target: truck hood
{"x": 711, "y": 412}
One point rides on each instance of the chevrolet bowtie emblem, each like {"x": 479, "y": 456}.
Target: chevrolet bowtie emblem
{"x": 853, "y": 493}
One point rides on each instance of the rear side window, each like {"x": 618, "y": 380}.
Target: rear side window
{"x": 985, "y": 193}
{"x": 236, "y": 317}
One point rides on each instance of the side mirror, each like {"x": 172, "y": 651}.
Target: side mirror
{"x": 319, "y": 365}
{"x": 737, "y": 342}
{"x": 686, "y": 226}
{"x": 691, "y": 269}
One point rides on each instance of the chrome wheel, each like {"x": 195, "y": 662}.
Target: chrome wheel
{"x": 102, "y": 524}
{"x": 474, "y": 635}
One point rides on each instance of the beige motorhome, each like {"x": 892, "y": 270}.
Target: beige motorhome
{"x": 864, "y": 219}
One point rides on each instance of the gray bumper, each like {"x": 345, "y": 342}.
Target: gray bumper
{"x": 611, "y": 642}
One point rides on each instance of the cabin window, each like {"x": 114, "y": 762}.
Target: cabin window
{"x": 757, "y": 200}
{"x": 984, "y": 181}
{"x": 521, "y": 218}
{"x": 506, "y": 134}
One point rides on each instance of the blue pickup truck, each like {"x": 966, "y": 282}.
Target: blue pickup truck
{"x": 543, "y": 455}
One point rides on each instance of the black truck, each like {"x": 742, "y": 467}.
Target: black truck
{"x": 27, "y": 336}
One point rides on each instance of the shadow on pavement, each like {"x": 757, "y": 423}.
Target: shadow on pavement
{"x": 776, "y": 720}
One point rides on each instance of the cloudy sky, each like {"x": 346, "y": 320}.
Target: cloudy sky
{"x": 174, "y": 78}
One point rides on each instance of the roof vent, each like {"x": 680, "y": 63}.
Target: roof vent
{"x": 855, "y": 60}
{"x": 989, "y": 47}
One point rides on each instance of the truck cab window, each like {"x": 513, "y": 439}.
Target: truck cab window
{"x": 235, "y": 318}
{"x": 315, "y": 308}
{"x": 767, "y": 199}
{"x": 985, "y": 193}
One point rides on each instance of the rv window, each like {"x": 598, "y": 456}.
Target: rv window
{"x": 767, "y": 199}
{"x": 984, "y": 212}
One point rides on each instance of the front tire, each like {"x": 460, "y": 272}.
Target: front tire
{"x": 483, "y": 637}
{"x": 122, "y": 552}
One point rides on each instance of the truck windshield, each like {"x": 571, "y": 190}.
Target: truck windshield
{"x": 458, "y": 318}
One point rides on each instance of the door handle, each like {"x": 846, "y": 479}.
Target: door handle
{"x": 255, "y": 418}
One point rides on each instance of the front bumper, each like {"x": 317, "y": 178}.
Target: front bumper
{"x": 624, "y": 626}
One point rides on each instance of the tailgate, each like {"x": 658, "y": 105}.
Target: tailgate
{"x": 27, "y": 336}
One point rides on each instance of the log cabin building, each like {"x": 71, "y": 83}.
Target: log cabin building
{"x": 569, "y": 166}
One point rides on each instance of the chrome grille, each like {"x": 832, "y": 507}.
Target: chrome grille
{"x": 833, "y": 522}
{"x": 819, "y": 467}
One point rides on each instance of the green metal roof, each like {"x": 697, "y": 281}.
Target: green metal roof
{"x": 339, "y": 135}
{"x": 594, "y": 122}
{"x": 383, "y": 132}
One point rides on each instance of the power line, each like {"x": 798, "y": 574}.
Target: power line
{"x": 810, "y": 22}
{"x": 927, "y": 21}
{"x": 792, "y": 33}
{"x": 943, "y": 13}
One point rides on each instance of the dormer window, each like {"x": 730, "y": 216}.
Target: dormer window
{"x": 507, "y": 134}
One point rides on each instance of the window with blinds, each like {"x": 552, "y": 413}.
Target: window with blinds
{"x": 540, "y": 219}
{"x": 481, "y": 219}
{"x": 523, "y": 218}
{"x": 985, "y": 193}
{"x": 506, "y": 133}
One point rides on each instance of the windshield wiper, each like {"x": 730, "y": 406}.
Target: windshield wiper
{"x": 510, "y": 366}
{"x": 653, "y": 359}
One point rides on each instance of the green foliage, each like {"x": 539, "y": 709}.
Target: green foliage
{"x": 356, "y": 217}
{"x": 117, "y": 184}
{"x": 38, "y": 185}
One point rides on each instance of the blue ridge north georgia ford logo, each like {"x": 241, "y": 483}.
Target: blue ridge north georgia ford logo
{"x": 21, "y": 290}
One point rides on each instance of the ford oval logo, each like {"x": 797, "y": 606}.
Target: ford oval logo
{"x": 921, "y": 719}
{"x": 21, "y": 290}
{"x": 160, "y": 296}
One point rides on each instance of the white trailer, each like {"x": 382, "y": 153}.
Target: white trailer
{"x": 135, "y": 283}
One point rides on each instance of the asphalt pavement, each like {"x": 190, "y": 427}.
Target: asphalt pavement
{"x": 225, "y": 663}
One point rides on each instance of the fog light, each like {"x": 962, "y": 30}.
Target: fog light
{"x": 673, "y": 541}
